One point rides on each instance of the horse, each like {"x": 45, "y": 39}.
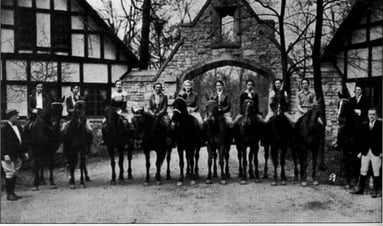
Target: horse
{"x": 43, "y": 138}
{"x": 116, "y": 134}
{"x": 348, "y": 134}
{"x": 247, "y": 133}
{"x": 150, "y": 134}
{"x": 218, "y": 138}
{"x": 76, "y": 138}
{"x": 278, "y": 136}
{"x": 309, "y": 133}
{"x": 187, "y": 134}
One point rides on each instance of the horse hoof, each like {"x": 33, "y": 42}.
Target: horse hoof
{"x": 315, "y": 183}
{"x": 146, "y": 183}
{"x": 53, "y": 186}
{"x": 130, "y": 177}
{"x": 168, "y": 177}
{"x": 35, "y": 188}
{"x": 273, "y": 183}
{"x": 158, "y": 182}
{"x": 265, "y": 176}
{"x": 208, "y": 181}
{"x": 304, "y": 183}
{"x": 87, "y": 179}
{"x": 192, "y": 182}
{"x": 222, "y": 182}
{"x": 113, "y": 182}
{"x": 257, "y": 181}
{"x": 347, "y": 187}
{"x": 283, "y": 183}
{"x": 243, "y": 182}
{"x": 179, "y": 183}
{"x": 72, "y": 186}
{"x": 121, "y": 181}
{"x": 83, "y": 186}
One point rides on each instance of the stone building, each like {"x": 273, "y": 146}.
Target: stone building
{"x": 60, "y": 43}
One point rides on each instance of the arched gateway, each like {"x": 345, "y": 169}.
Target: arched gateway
{"x": 225, "y": 32}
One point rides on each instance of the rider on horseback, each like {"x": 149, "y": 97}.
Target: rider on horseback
{"x": 278, "y": 98}
{"x": 38, "y": 102}
{"x": 192, "y": 100}
{"x": 158, "y": 104}
{"x": 248, "y": 94}
{"x": 119, "y": 98}
{"x": 223, "y": 101}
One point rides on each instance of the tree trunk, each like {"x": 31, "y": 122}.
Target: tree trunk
{"x": 284, "y": 57}
{"x": 145, "y": 31}
{"x": 317, "y": 74}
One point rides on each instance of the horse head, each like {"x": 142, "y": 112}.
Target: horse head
{"x": 211, "y": 111}
{"x": 248, "y": 110}
{"x": 345, "y": 110}
{"x": 111, "y": 115}
{"x": 179, "y": 108}
{"x": 139, "y": 124}
{"x": 79, "y": 114}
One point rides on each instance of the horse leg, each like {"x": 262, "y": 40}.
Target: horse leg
{"x": 181, "y": 163}
{"x": 254, "y": 149}
{"x": 147, "y": 160}
{"x": 239, "y": 154}
{"x": 196, "y": 170}
{"x": 274, "y": 157}
{"x": 215, "y": 174}
{"x": 227, "y": 156}
{"x": 161, "y": 154}
{"x": 130, "y": 155}
{"x": 283, "y": 158}
{"x": 190, "y": 159}
{"x": 303, "y": 163}
{"x": 51, "y": 166}
{"x": 295, "y": 160}
{"x": 251, "y": 157}
{"x": 112, "y": 164}
{"x": 221, "y": 163}
{"x": 266, "y": 150}
{"x": 209, "y": 163}
{"x": 72, "y": 165}
{"x": 314, "y": 152}
{"x": 82, "y": 167}
{"x": 87, "y": 178}
{"x": 121, "y": 164}
{"x": 168, "y": 157}
{"x": 42, "y": 179}
{"x": 36, "y": 181}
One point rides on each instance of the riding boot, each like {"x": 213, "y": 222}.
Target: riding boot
{"x": 10, "y": 189}
{"x": 13, "y": 188}
{"x": 362, "y": 184}
{"x": 376, "y": 187}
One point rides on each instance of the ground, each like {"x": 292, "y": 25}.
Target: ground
{"x": 132, "y": 202}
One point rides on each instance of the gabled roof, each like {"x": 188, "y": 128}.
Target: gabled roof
{"x": 337, "y": 41}
{"x": 132, "y": 59}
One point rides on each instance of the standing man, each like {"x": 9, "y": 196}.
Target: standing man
{"x": 371, "y": 151}
{"x": 360, "y": 104}
{"x": 70, "y": 101}
{"x": 11, "y": 151}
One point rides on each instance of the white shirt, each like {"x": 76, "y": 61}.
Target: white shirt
{"x": 119, "y": 96}
{"x": 39, "y": 100}
{"x": 14, "y": 127}
{"x": 372, "y": 124}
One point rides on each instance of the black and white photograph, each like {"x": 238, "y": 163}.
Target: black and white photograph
{"x": 191, "y": 112}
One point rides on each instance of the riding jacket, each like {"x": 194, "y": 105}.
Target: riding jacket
{"x": 251, "y": 96}
{"x": 223, "y": 101}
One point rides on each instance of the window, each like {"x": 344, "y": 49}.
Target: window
{"x": 60, "y": 31}
{"x": 95, "y": 98}
{"x": 227, "y": 29}
{"x": 25, "y": 28}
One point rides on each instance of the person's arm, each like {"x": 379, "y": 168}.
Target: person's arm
{"x": 300, "y": 109}
{"x": 5, "y": 152}
{"x": 227, "y": 106}
{"x": 151, "y": 106}
{"x": 164, "y": 105}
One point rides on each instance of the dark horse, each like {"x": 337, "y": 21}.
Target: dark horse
{"x": 348, "y": 134}
{"x": 218, "y": 138}
{"x": 150, "y": 134}
{"x": 187, "y": 134}
{"x": 309, "y": 133}
{"x": 247, "y": 133}
{"x": 76, "y": 138}
{"x": 116, "y": 134}
{"x": 43, "y": 138}
{"x": 279, "y": 135}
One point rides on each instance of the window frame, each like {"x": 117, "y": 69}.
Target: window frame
{"x": 21, "y": 42}
{"x": 98, "y": 109}
{"x": 58, "y": 33}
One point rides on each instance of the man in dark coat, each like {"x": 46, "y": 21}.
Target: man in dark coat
{"x": 12, "y": 151}
{"x": 70, "y": 101}
{"x": 371, "y": 151}
{"x": 360, "y": 104}
{"x": 38, "y": 101}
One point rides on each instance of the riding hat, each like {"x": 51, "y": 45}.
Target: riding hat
{"x": 10, "y": 112}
